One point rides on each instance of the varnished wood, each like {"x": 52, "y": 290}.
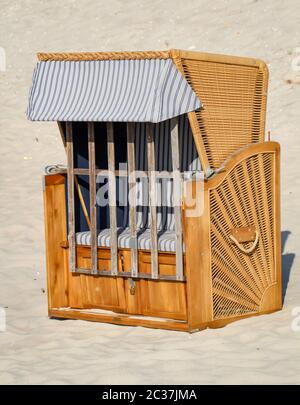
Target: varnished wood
{"x": 165, "y": 174}
{"x": 166, "y": 262}
{"x": 120, "y": 319}
{"x": 198, "y": 268}
{"x": 165, "y": 299}
{"x": 55, "y": 232}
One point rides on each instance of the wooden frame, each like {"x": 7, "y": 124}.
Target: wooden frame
{"x": 152, "y": 199}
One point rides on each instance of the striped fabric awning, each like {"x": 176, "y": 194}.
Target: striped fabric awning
{"x": 151, "y": 90}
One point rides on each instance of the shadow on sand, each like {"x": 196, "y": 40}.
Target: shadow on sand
{"x": 287, "y": 260}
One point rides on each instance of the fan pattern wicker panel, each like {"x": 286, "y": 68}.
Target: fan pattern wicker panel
{"x": 242, "y": 199}
{"x": 233, "y": 113}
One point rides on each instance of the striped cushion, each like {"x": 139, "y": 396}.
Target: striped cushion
{"x": 166, "y": 239}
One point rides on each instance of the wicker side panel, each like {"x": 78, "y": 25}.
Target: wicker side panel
{"x": 234, "y": 103}
{"x": 244, "y": 198}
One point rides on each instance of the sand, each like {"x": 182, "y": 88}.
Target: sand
{"x": 34, "y": 349}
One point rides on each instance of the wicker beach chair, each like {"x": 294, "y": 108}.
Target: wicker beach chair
{"x": 167, "y": 214}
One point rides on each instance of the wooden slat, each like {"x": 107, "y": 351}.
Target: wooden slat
{"x": 177, "y": 198}
{"x": 197, "y": 254}
{"x": 132, "y": 198}
{"x": 92, "y": 181}
{"x": 152, "y": 199}
{"x": 127, "y": 274}
{"x": 119, "y": 319}
{"x": 112, "y": 198}
{"x": 123, "y": 173}
{"x": 71, "y": 215}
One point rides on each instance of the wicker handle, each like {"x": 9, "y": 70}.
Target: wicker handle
{"x": 241, "y": 247}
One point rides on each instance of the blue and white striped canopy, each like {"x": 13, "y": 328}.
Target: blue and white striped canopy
{"x": 150, "y": 90}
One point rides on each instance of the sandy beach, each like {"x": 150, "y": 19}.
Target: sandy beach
{"x": 35, "y": 349}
